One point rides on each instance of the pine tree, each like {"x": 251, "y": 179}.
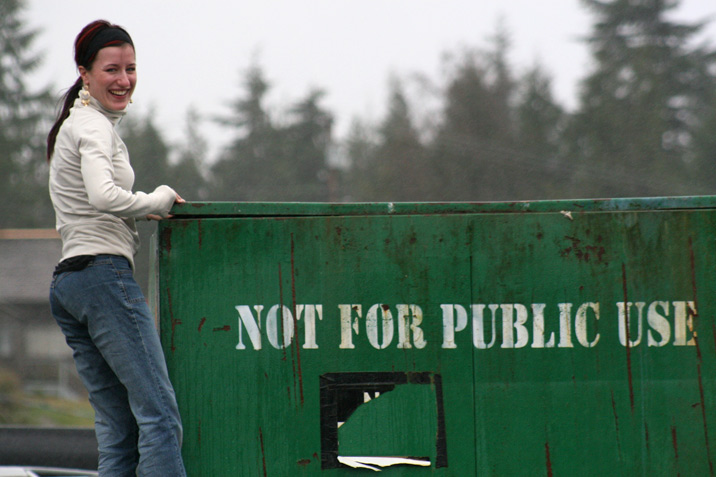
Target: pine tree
{"x": 241, "y": 172}
{"x": 474, "y": 145}
{"x": 360, "y": 145}
{"x": 540, "y": 123}
{"x": 633, "y": 131}
{"x": 24, "y": 201}
{"x": 302, "y": 165}
{"x": 188, "y": 174}
{"x": 148, "y": 151}
{"x": 274, "y": 162}
{"x": 396, "y": 168}
{"x": 704, "y": 149}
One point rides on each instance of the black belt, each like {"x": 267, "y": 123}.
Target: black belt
{"x": 73, "y": 264}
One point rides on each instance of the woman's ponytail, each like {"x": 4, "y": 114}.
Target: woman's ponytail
{"x": 67, "y": 101}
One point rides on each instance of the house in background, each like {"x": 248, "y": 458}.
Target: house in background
{"x": 31, "y": 344}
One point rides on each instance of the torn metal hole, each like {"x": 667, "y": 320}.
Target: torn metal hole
{"x": 376, "y": 463}
{"x": 341, "y": 394}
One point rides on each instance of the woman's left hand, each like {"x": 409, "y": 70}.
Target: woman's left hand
{"x": 178, "y": 200}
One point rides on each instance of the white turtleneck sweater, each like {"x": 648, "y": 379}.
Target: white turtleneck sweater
{"x": 91, "y": 183}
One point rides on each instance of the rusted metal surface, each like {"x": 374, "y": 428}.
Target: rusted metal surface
{"x": 450, "y": 339}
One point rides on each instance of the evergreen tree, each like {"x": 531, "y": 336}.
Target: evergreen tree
{"x": 148, "y": 151}
{"x": 303, "y": 162}
{"x": 633, "y": 131}
{"x": 474, "y": 146}
{"x": 360, "y": 146}
{"x": 188, "y": 174}
{"x": 704, "y": 149}
{"x": 396, "y": 168}
{"x": 540, "y": 121}
{"x": 272, "y": 162}
{"x": 240, "y": 172}
{"x": 24, "y": 201}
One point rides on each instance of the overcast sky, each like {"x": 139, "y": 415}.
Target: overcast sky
{"x": 193, "y": 52}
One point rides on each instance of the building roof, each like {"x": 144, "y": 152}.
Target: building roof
{"x": 27, "y": 259}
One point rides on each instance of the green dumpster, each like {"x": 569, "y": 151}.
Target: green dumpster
{"x": 501, "y": 339}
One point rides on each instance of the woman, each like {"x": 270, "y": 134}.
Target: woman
{"x": 94, "y": 298}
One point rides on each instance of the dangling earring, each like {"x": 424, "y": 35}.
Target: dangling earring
{"x": 85, "y": 96}
{"x": 131, "y": 100}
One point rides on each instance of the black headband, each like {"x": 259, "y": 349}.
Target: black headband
{"x": 107, "y": 37}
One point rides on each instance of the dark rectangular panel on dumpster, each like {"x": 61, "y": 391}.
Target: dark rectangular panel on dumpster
{"x": 528, "y": 338}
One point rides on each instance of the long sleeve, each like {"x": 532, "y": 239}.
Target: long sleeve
{"x": 108, "y": 177}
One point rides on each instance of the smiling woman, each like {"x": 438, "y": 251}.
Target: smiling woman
{"x": 93, "y": 294}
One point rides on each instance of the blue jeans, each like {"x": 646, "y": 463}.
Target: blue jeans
{"x": 107, "y": 323}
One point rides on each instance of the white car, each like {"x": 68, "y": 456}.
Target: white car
{"x": 17, "y": 471}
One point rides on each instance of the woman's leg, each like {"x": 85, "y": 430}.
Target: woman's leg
{"x": 115, "y": 426}
{"x": 106, "y": 299}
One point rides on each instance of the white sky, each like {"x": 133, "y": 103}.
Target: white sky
{"x": 193, "y": 52}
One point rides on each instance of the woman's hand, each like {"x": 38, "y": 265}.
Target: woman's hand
{"x": 178, "y": 200}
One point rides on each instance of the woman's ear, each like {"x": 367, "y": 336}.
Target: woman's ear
{"x": 83, "y": 75}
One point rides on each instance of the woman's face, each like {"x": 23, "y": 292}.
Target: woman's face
{"x": 113, "y": 76}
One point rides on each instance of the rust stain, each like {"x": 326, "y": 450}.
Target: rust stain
{"x": 616, "y": 425}
{"x": 548, "y": 459}
{"x": 296, "y": 346}
{"x": 675, "y": 444}
{"x": 172, "y": 320}
{"x": 692, "y": 261}
{"x": 199, "y": 232}
{"x": 699, "y": 359}
{"x": 628, "y": 341}
{"x": 263, "y": 452}
{"x": 584, "y": 252}
{"x": 198, "y": 433}
{"x": 280, "y": 294}
{"x": 167, "y": 239}
{"x": 703, "y": 404}
{"x": 223, "y": 328}
{"x": 304, "y": 462}
{"x": 201, "y": 323}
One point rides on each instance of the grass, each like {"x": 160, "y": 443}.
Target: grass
{"x": 46, "y": 411}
